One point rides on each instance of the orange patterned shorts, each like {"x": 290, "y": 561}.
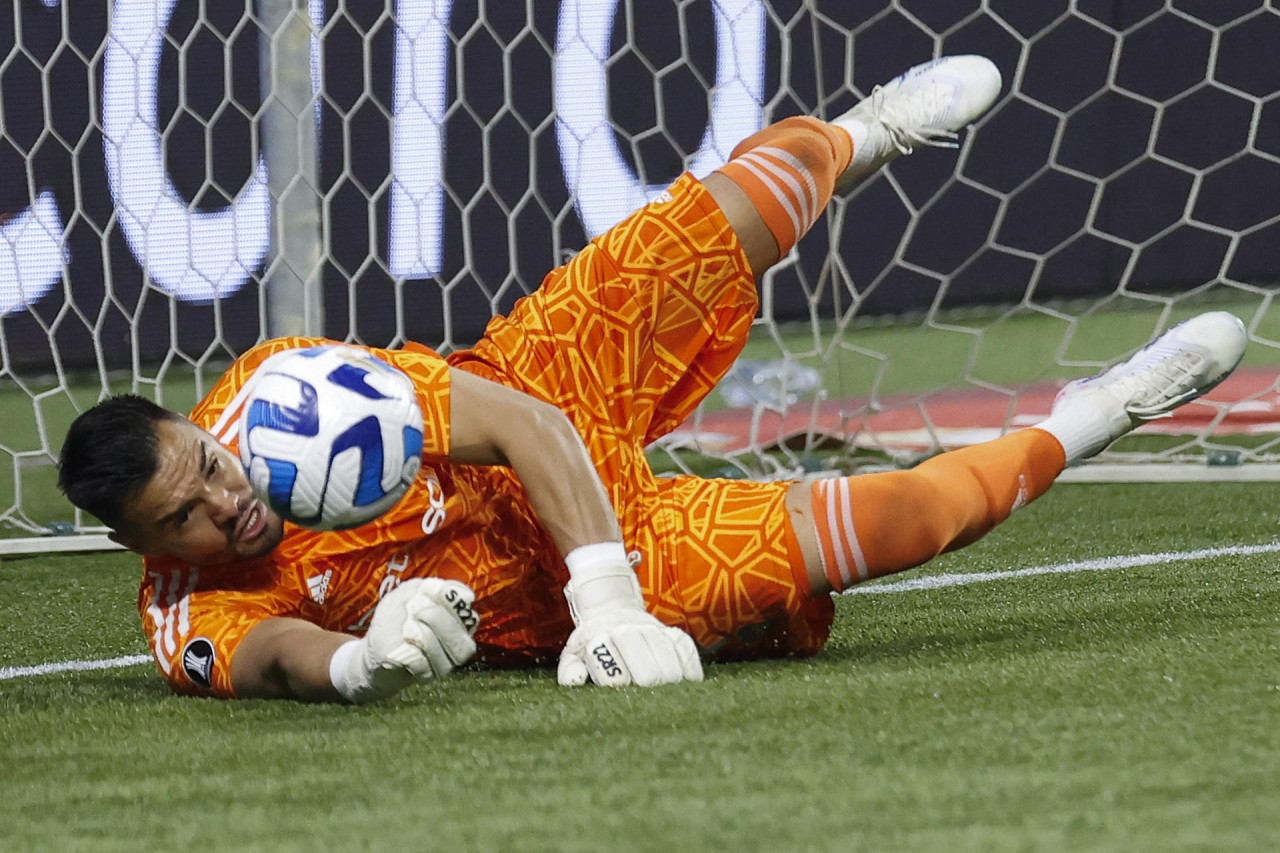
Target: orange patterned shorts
{"x": 627, "y": 339}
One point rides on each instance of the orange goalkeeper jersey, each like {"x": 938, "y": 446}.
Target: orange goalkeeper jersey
{"x": 626, "y": 340}
{"x": 469, "y": 524}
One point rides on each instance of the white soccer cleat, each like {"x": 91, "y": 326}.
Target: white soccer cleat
{"x": 924, "y": 106}
{"x": 1177, "y": 367}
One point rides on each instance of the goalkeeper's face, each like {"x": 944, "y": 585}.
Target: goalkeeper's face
{"x": 198, "y": 506}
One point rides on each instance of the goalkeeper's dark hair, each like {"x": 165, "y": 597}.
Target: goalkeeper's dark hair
{"x": 111, "y": 451}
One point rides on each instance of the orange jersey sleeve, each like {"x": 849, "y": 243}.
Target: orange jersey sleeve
{"x": 195, "y": 617}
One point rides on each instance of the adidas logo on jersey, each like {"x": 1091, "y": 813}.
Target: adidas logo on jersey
{"x": 318, "y": 586}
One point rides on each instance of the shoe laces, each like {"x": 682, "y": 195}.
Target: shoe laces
{"x": 1167, "y": 380}
{"x": 897, "y": 112}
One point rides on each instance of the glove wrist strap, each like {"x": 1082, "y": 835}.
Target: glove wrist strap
{"x": 351, "y": 677}
{"x": 601, "y": 578}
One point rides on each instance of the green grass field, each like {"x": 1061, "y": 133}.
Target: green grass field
{"x": 1122, "y": 709}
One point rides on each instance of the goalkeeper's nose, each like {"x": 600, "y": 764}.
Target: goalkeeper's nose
{"x": 223, "y": 507}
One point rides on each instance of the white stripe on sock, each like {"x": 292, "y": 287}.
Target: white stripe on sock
{"x": 846, "y": 520}
{"x": 834, "y": 526}
{"x": 766, "y": 178}
{"x": 808, "y": 194}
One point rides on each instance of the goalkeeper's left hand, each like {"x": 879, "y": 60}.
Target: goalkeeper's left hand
{"x": 421, "y": 630}
{"x": 616, "y": 641}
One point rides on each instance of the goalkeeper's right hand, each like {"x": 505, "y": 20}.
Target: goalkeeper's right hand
{"x": 616, "y": 641}
{"x": 420, "y": 630}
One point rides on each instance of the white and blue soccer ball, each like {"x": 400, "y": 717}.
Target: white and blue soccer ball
{"x": 331, "y": 436}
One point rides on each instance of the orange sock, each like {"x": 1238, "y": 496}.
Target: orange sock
{"x": 877, "y": 524}
{"x": 789, "y": 170}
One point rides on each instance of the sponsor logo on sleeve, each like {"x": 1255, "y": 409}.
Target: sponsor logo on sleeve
{"x": 436, "y": 513}
{"x": 197, "y": 662}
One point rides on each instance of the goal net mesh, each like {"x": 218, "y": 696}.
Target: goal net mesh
{"x": 182, "y": 179}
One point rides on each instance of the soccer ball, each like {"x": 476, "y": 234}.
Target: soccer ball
{"x": 331, "y": 436}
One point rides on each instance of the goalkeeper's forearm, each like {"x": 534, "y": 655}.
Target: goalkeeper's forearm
{"x": 283, "y": 658}
{"x": 616, "y": 640}
{"x": 495, "y": 425}
{"x": 423, "y": 629}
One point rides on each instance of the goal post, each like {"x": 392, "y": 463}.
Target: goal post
{"x": 181, "y": 179}
{"x": 292, "y": 269}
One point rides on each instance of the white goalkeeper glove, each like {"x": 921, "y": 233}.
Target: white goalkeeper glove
{"x": 617, "y": 642}
{"x": 420, "y": 630}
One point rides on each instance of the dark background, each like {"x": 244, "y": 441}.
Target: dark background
{"x": 1133, "y": 149}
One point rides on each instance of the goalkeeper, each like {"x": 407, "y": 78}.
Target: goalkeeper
{"x": 535, "y": 532}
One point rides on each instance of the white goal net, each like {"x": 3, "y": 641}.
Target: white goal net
{"x": 180, "y": 179}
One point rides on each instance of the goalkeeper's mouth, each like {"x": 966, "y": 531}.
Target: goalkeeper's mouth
{"x": 253, "y": 521}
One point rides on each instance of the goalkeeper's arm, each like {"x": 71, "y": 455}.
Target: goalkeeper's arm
{"x": 420, "y": 630}
{"x": 617, "y": 642}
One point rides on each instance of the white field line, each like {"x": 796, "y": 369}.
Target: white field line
{"x": 1098, "y": 565}
{"x": 7, "y": 672}
{"x": 913, "y": 585}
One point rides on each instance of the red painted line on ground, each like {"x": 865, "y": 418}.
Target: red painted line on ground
{"x": 954, "y": 418}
